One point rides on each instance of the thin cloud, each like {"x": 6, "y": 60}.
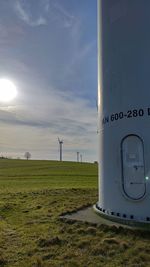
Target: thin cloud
{"x": 81, "y": 50}
{"x": 51, "y": 71}
{"x": 51, "y": 115}
{"x": 60, "y": 15}
{"x": 24, "y": 12}
{"x": 80, "y": 55}
{"x": 53, "y": 109}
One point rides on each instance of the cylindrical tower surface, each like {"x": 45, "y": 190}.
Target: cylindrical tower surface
{"x": 124, "y": 108}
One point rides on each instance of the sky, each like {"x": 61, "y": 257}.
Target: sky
{"x": 48, "y": 49}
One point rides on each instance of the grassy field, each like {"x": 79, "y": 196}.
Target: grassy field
{"x": 32, "y": 196}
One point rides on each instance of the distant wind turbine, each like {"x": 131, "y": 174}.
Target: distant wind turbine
{"x": 60, "y": 148}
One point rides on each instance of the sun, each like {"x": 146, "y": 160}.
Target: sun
{"x": 8, "y": 90}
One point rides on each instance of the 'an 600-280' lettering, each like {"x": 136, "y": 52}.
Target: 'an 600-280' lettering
{"x": 133, "y": 113}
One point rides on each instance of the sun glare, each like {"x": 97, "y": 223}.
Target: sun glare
{"x": 8, "y": 90}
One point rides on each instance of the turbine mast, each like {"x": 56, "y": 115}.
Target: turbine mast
{"x": 60, "y": 148}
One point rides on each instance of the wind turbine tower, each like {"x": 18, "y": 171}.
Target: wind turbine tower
{"x": 60, "y": 147}
{"x": 124, "y": 110}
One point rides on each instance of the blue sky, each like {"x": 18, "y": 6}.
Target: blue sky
{"x": 48, "y": 48}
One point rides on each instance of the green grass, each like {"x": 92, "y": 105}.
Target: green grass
{"x": 32, "y": 196}
{"x": 23, "y": 175}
